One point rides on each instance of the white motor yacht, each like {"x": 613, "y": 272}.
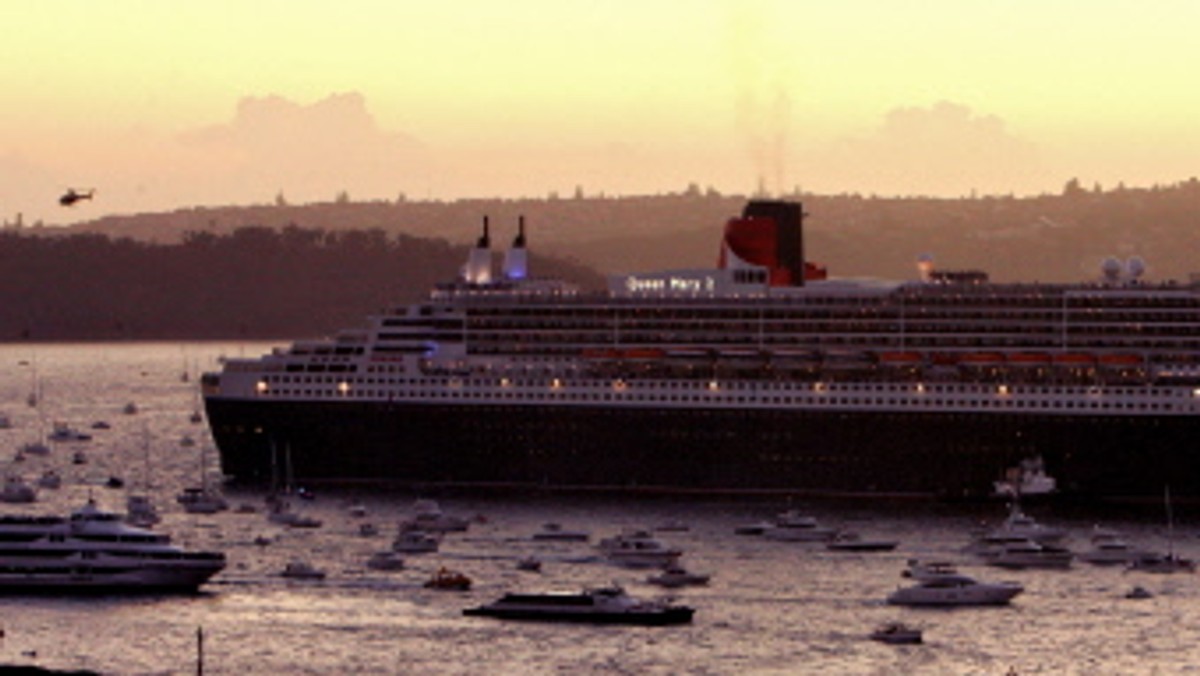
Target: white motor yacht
{"x": 1162, "y": 563}
{"x": 50, "y": 479}
{"x": 64, "y": 432}
{"x": 140, "y": 511}
{"x": 555, "y": 531}
{"x": 1020, "y": 526}
{"x": 1028, "y": 554}
{"x": 675, "y": 575}
{"x": 791, "y": 526}
{"x": 415, "y": 542}
{"x": 17, "y": 490}
{"x": 638, "y": 549}
{"x": 95, "y": 550}
{"x": 302, "y": 570}
{"x": 848, "y": 541}
{"x": 429, "y": 517}
{"x": 201, "y": 500}
{"x": 1110, "y": 549}
{"x": 386, "y": 561}
{"x": 955, "y": 590}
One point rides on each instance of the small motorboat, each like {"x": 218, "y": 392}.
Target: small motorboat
{"x": 1162, "y": 563}
{"x": 955, "y": 590}
{"x": 385, "y": 561}
{"x": 64, "y": 432}
{"x": 792, "y": 526}
{"x": 415, "y": 542}
{"x": 555, "y": 531}
{"x": 448, "y": 580}
{"x": 1028, "y": 554}
{"x": 140, "y": 511}
{"x": 33, "y": 448}
{"x": 675, "y": 576}
{"x": 1109, "y": 549}
{"x": 848, "y": 541}
{"x": 79, "y": 458}
{"x": 756, "y": 528}
{"x": 358, "y": 510}
{"x": 1138, "y": 593}
{"x": 16, "y": 490}
{"x": 114, "y": 482}
{"x": 302, "y": 570}
{"x": 50, "y": 479}
{"x": 281, "y": 513}
{"x": 130, "y": 408}
{"x": 638, "y": 549}
{"x": 897, "y": 633}
{"x": 530, "y": 564}
{"x": 368, "y": 530}
{"x": 201, "y": 500}
{"x": 429, "y": 517}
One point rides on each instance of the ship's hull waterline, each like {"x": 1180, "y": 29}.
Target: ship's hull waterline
{"x": 736, "y": 450}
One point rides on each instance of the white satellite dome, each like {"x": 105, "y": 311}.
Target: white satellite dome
{"x": 1111, "y": 268}
{"x": 1135, "y": 267}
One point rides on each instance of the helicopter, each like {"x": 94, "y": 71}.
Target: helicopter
{"x": 72, "y": 196}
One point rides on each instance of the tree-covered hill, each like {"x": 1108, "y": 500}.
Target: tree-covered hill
{"x": 255, "y": 282}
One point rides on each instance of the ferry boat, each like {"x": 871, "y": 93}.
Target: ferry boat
{"x": 761, "y": 374}
{"x": 608, "y": 605}
{"x": 95, "y": 551}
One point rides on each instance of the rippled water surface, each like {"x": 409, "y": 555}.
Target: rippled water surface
{"x": 772, "y": 607}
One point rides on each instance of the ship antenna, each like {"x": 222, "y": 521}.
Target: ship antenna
{"x": 519, "y": 242}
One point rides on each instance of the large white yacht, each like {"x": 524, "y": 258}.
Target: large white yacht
{"x": 94, "y": 550}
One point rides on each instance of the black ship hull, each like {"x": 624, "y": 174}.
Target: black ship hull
{"x": 920, "y": 454}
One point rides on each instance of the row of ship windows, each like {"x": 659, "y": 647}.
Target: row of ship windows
{"x": 743, "y": 386}
{"x": 831, "y": 401}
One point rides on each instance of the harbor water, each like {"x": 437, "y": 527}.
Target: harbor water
{"x": 770, "y": 608}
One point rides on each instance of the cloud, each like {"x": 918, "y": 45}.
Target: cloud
{"x": 310, "y": 152}
{"x": 944, "y": 150}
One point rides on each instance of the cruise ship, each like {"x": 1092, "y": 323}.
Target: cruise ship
{"x": 95, "y": 551}
{"x": 763, "y": 374}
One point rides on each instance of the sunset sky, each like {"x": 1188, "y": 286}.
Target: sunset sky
{"x": 160, "y": 105}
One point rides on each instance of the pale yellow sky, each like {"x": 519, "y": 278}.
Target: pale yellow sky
{"x": 167, "y": 104}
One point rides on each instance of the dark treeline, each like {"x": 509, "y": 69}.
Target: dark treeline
{"x": 1061, "y": 235}
{"x": 255, "y": 282}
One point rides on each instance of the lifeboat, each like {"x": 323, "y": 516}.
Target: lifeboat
{"x": 945, "y": 358}
{"x": 600, "y": 353}
{"x": 1120, "y": 360}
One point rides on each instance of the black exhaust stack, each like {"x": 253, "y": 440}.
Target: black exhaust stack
{"x": 789, "y": 233}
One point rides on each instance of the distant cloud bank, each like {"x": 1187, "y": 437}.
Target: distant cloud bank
{"x": 944, "y": 150}
{"x": 309, "y": 152}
